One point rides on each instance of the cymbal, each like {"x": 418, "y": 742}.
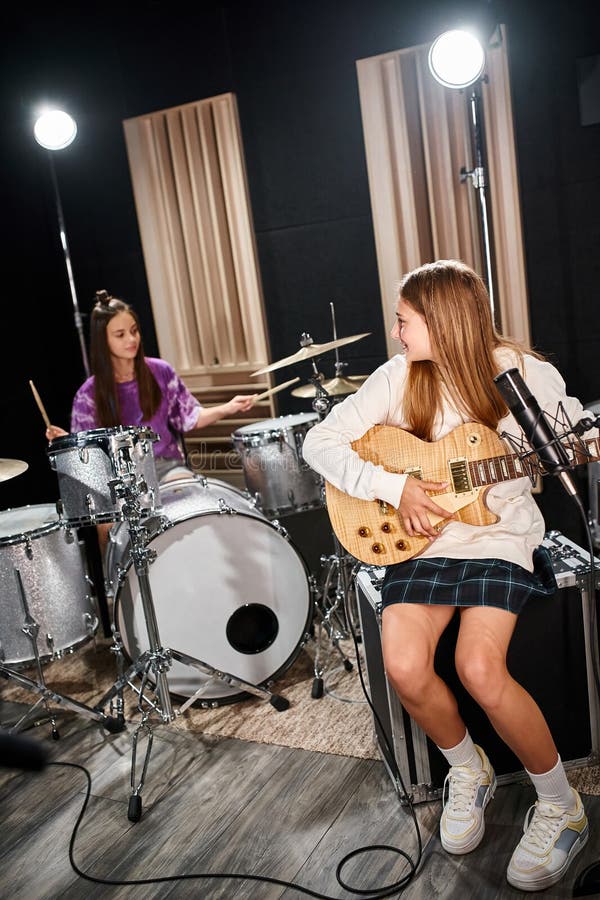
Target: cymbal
{"x": 311, "y": 350}
{"x": 10, "y": 468}
{"x": 335, "y": 387}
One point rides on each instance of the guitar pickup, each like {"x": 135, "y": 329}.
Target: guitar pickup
{"x": 459, "y": 475}
{"x": 415, "y": 472}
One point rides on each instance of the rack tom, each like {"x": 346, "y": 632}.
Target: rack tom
{"x": 274, "y": 469}
{"x": 87, "y": 462}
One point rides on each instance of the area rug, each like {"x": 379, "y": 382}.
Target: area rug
{"x": 339, "y": 722}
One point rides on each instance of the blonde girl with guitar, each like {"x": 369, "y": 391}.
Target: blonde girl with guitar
{"x": 484, "y": 560}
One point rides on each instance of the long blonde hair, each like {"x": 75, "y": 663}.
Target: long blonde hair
{"x": 455, "y": 304}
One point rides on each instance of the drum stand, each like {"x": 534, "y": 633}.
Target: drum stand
{"x": 153, "y": 665}
{"x": 337, "y": 602}
{"x": 31, "y": 629}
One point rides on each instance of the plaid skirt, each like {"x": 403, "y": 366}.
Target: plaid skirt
{"x": 469, "y": 582}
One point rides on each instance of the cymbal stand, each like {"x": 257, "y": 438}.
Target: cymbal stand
{"x": 153, "y": 665}
{"x": 338, "y": 588}
{"x": 31, "y": 629}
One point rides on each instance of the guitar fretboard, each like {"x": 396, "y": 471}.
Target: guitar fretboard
{"x": 496, "y": 469}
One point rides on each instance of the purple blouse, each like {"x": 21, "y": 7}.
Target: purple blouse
{"x": 178, "y": 410}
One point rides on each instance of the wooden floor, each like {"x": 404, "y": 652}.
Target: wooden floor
{"x": 222, "y": 805}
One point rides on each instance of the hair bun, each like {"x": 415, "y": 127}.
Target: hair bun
{"x": 103, "y": 298}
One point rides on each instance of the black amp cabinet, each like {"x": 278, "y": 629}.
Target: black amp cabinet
{"x": 551, "y": 655}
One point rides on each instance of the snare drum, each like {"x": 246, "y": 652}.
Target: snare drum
{"x": 51, "y": 564}
{"x": 87, "y": 461}
{"x": 274, "y": 470}
{"x": 228, "y": 588}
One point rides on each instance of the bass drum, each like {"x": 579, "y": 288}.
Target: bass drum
{"x": 228, "y": 588}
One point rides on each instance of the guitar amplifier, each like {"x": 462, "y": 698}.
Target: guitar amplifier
{"x": 551, "y": 654}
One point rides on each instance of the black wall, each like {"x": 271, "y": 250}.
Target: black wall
{"x": 292, "y": 66}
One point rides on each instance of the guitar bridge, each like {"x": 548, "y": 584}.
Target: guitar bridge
{"x": 415, "y": 471}
{"x": 459, "y": 475}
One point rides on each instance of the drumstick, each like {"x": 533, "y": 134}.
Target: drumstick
{"x": 40, "y": 405}
{"x": 280, "y": 387}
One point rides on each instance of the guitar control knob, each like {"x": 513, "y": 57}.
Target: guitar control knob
{"x": 364, "y": 531}
{"x": 378, "y": 548}
{"x": 401, "y": 545}
{"x": 386, "y": 527}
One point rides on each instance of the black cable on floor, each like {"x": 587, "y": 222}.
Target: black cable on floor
{"x": 381, "y": 892}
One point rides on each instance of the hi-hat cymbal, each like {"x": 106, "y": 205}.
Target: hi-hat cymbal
{"x": 10, "y": 468}
{"x": 310, "y": 350}
{"x": 335, "y": 387}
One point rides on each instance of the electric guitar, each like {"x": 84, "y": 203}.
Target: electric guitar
{"x": 470, "y": 458}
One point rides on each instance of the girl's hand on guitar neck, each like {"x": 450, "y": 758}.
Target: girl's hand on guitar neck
{"x": 415, "y": 504}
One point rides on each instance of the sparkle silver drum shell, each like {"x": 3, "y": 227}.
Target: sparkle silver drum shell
{"x": 85, "y": 463}
{"x": 50, "y": 561}
{"x": 274, "y": 469}
{"x": 228, "y": 588}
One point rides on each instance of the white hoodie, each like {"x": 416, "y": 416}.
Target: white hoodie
{"x": 520, "y": 528}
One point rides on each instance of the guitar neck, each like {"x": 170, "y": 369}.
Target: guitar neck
{"x": 507, "y": 467}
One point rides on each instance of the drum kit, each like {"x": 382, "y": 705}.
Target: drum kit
{"x": 229, "y": 603}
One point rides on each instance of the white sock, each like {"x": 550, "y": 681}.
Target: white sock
{"x": 464, "y": 754}
{"x": 553, "y": 787}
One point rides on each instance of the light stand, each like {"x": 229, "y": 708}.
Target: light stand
{"x": 55, "y": 130}
{"x": 479, "y": 182}
{"x": 456, "y": 60}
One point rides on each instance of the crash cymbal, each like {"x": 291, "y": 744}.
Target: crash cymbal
{"x": 10, "y": 468}
{"x": 335, "y": 387}
{"x": 309, "y": 350}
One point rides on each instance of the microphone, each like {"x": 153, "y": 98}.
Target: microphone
{"x": 18, "y": 752}
{"x": 536, "y": 427}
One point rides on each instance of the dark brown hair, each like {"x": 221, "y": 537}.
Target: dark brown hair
{"x": 108, "y": 412}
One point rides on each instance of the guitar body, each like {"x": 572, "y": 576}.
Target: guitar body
{"x": 372, "y": 531}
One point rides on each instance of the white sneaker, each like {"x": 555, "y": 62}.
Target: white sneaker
{"x": 551, "y": 840}
{"x": 467, "y": 792}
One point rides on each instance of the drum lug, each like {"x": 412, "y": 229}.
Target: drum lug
{"x": 91, "y": 506}
{"x": 28, "y": 549}
{"x": 56, "y": 654}
{"x": 84, "y": 455}
{"x": 90, "y": 622}
{"x": 69, "y": 536}
{"x": 253, "y": 499}
{"x": 224, "y": 509}
{"x": 60, "y": 508}
{"x": 280, "y": 529}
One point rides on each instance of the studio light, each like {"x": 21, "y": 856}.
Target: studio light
{"x": 456, "y": 59}
{"x": 54, "y": 130}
